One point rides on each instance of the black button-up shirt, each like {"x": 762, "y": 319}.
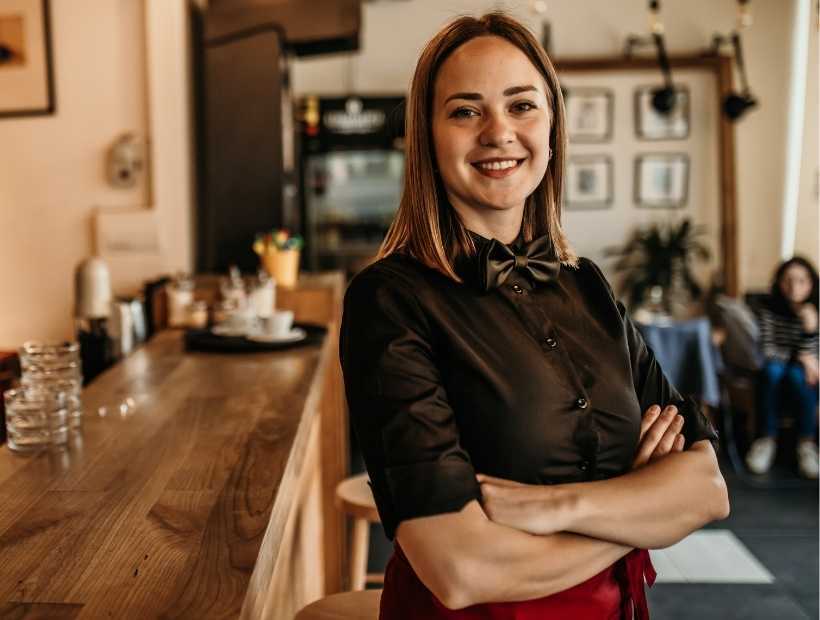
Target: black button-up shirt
{"x": 542, "y": 384}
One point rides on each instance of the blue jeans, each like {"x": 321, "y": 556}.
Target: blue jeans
{"x": 779, "y": 380}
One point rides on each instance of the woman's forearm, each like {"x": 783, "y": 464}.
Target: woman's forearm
{"x": 466, "y": 559}
{"x": 654, "y": 506}
{"x": 519, "y": 568}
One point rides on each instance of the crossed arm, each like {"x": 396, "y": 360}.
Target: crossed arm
{"x": 550, "y": 538}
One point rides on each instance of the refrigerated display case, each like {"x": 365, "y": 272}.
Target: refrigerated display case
{"x": 352, "y": 171}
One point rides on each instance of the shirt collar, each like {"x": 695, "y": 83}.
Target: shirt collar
{"x": 480, "y": 240}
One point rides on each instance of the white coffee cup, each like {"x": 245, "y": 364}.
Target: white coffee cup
{"x": 279, "y": 323}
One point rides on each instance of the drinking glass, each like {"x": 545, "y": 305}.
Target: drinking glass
{"x": 54, "y": 367}
{"x": 60, "y": 358}
{"x": 35, "y": 419}
{"x": 71, "y": 387}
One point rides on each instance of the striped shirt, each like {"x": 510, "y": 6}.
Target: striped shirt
{"x": 783, "y": 337}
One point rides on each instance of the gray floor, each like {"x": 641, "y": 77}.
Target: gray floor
{"x": 777, "y": 525}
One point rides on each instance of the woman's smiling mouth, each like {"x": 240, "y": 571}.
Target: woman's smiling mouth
{"x": 497, "y": 168}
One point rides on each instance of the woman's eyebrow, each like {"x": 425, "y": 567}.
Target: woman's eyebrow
{"x": 470, "y": 96}
{"x": 512, "y": 90}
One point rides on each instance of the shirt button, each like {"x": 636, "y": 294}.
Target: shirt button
{"x": 517, "y": 288}
{"x": 581, "y": 403}
{"x": 583, "y": 465}
{"x": 551, "y": 342}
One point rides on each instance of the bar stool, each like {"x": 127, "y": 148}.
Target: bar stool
{"x": 362, "y": 605}
{"x": 354, "y": 498}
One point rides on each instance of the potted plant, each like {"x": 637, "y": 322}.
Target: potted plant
{"x": 279, "y": 252}
{"x": 656, "y": 262}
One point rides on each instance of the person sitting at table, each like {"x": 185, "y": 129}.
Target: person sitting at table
{"x": 789, "y": 344}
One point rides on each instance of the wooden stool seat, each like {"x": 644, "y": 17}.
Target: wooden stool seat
{"x": 354, "y": 498}
{"x": 362, "y": 605}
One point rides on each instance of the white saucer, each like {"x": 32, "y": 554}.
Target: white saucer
{"x": 294, "y": 335}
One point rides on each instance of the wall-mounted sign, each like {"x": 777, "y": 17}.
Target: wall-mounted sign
{"x": 349, "y": 122}
{"x": 354, "y": 119}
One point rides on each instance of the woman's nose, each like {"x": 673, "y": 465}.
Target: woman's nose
{"x": 496, "y": 131}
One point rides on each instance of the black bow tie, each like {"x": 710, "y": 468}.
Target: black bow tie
{"x": 496, "y": 261}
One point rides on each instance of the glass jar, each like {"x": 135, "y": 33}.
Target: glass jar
{"x": 223, "y": 309}
{"x": 180, "y": 297}
{"x": 35, "y": 419}
{"x": 58, "y": 357}
{"x": 72, "y": 388}
{"x": 198, "y": 315}
{"x": 263, "y": 295}
{"x": 232, "y": 288}
{"x": 54, "y": 368}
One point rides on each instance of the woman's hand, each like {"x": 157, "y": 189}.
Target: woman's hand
{"x": 808, "y": 314}
{"x": 660, "y": 435}
{"x": 546, "y": 509}
{"x": 809, "y": 363}
{"x": 532, "y": 508}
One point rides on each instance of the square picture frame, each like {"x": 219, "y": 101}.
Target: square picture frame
{"x": 589, "y": 182}
{"x": 652, "y": 125}
{"x": 589, "y": 113}
{"x": 26, "y": 67}
{"x": 662, "y": 180}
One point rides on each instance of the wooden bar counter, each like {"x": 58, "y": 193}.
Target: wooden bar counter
{"x": 203, "y": 501}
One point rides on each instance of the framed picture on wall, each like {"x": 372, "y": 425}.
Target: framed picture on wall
{"x": 589, "y": 114}
{"x": 588, "y": 183}
{"x": 652, "y": 125}
{"x": 26, "y": 82}
{"x": 662, "y": 180}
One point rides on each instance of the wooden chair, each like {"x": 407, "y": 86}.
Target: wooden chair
{"x": 354, "y": 499}
{"x": 362, "y": 605}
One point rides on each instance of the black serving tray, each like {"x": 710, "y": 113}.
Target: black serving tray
{"x": 206, "y": 341}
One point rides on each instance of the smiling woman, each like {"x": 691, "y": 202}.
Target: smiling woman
{"x": 492, "y": 144}
{"x": 485, "y": 137}
{"x": 524, "y": 447}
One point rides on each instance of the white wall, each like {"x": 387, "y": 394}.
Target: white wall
{"x": 591, "y": 231}
{"x": 52, "y": 183}
{"x": 52, "y": 167}
{"x": 394, "y": 34}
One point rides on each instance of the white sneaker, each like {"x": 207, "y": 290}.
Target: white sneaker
{"x": 807, "y": 460}
{"x": 761, "y": 454}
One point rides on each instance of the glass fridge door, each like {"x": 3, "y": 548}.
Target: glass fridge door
{"x": 351, "y": 198}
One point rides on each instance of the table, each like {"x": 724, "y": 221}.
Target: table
{"x": 689, "y": 359}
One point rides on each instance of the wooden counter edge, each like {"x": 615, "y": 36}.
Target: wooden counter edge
{"x": 263, "y": 578}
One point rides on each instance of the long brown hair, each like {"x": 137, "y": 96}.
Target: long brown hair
{"x": 426, "y": 227}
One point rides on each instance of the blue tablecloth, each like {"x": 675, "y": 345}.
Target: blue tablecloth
{"x": 687, "y": 356}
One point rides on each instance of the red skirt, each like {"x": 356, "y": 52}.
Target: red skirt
{"x": 612, "y": 594}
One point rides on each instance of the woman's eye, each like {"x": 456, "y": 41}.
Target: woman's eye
{"x": 463, "y": 113}
{"x": 524, "y": 106}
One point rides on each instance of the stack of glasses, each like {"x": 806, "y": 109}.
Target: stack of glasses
{"x": 47, "y": 405}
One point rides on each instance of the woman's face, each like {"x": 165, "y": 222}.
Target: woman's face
{"x": 491, "y": 126}
{"x": 795, "y": 283}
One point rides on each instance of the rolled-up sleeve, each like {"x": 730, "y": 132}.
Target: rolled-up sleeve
{"x": 651, "y": 385}
{"x": 398, "y": 406}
